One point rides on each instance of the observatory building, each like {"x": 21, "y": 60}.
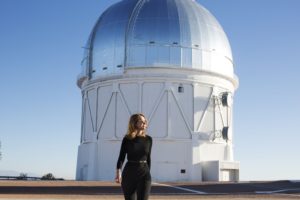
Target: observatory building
{"x": 168, "y": 59}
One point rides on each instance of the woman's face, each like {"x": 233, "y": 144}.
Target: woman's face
{"x": 141, "y": 124}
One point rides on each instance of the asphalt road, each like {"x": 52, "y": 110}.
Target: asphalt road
{"x": 108, "y": 190}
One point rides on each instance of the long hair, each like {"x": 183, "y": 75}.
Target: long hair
{"x": 132, "y": 130}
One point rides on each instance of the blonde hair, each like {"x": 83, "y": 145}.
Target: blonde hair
{"x": 132, "y": 130}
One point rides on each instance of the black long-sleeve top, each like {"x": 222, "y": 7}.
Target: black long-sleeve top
{"x": 137, "y": 149}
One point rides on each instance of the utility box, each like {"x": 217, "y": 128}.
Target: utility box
{"x": 217, "y": 170}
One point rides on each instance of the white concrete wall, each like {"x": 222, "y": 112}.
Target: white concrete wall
{"x": 169, "y": 158}
{"x": 87, "y": 162}
{"x": 185, "y": 126}
{"x": 218, "y": 170}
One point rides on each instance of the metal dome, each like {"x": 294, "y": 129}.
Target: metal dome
{"x": 156, "y": 33}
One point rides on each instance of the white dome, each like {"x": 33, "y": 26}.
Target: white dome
{"x": 156, "y": 33}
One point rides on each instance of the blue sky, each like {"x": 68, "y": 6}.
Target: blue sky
{"x": 40, "y": 106}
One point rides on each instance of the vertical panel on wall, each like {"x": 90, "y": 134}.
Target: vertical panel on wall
{"x": 104, "y": 99}
{"x": 151, "y": 94}
{"x": 185, "y": 100}
{"x": 201, "y": 102}
{"x": 87, "y": 124}
{"x": 178, "y": 125}
{"x": 130, "y": 92}
{"x": 107, "y": 131}
{"x": 122, "y": 116}
{"x": 158, "y": 124}
{"x": 92, "y": 100}
{"x": 208, "y": 120}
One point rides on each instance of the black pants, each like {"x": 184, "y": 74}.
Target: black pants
{"x": 136, "y": 181}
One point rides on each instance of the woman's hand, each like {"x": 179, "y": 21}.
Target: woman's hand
{"x": 118, "y": 178}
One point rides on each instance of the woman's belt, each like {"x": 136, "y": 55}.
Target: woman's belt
{"x": 137, "y": 161}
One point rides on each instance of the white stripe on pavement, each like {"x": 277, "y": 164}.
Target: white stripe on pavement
{"x": 181, "y": 188}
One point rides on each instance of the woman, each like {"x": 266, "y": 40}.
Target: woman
{"x": 136, "y": 178}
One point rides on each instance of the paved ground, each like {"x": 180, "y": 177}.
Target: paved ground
{"x": 106, "y": 190}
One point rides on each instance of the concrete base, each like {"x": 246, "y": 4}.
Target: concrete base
{"x": 220, "y": 171}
